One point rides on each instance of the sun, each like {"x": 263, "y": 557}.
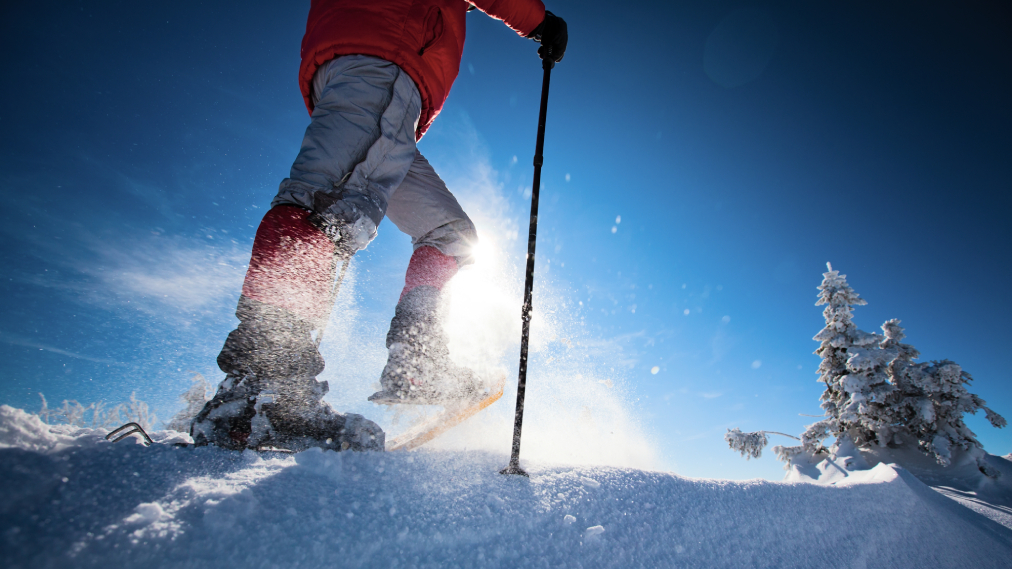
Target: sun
{"x": 484, "y": 251}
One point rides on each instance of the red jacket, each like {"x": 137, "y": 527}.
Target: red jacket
{"x": 424, "y": 37}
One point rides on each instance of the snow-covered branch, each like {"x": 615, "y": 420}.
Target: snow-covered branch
{"x": 750, "y": 445}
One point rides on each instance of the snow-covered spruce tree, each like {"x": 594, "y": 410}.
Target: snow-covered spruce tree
{"x": 854, "y": 368}
{"x": 931, "y": 399}
{"x": 907, "y": 400}
{"x": 941, "y": 400}
{"x": 877, "y": 395}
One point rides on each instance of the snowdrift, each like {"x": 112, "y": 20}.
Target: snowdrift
{"x": 71, "y": 499}
{"x": 963, "y": 480}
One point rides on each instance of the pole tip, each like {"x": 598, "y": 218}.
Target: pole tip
{"x": 514, "y": 469}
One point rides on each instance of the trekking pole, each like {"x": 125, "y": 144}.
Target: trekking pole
{"x": 514, "y": 466}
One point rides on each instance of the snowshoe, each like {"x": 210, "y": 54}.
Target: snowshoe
{"x": 247, "y": 413}
{"x": 270, "y": 397}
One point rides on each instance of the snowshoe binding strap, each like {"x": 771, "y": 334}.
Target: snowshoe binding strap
{"x": 126, "y": 430}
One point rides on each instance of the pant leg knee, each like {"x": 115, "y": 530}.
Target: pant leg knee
{"x": 424, "y": 208}
{"x": 455, "y": 239}
{"x": 357, "y": 149}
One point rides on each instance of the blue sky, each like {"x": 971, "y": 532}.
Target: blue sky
{"x": 742, "y": 145}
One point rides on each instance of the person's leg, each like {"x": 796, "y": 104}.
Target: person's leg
{"x": 356, "y": 151}
{"x": 418, "y": 368}
{"x": 358, "y": 147}
{"x": 424, "y": 208}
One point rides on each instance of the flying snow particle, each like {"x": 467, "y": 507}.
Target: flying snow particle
{"x": 470, "y": 68}
{"x": 567, "y": 176}
{"x": 757, "y": 364}
{"x": 514, "y": 160}
{"x": 594, "y": 531}
{"x": 569, "y": 519}
{"x": 686, "y": 311}
{"x": 683, "y": 286}
{"x": 618, "y": 219}
{"x": 725, "y": 319}
{"x": 655, "y": 370}
{"x": 146, "y": 513}
{"x": 614, "y": 229}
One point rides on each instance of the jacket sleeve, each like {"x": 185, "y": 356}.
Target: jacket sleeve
{"x": 522, "y": 16}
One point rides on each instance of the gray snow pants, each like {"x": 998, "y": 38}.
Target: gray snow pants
{"x": 358, "y": 160}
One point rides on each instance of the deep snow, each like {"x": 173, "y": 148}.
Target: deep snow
{"x": 72, "y": 499}
{"x": 962, "y": 480}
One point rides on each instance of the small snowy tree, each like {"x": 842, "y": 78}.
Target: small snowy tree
{"x": 72, "y": 413}
{"x": 876, "y": 394}
{"x": 137, "y": 411}
{"x": 97, "y": 415}
{"x": 854, "y": 368}
{"x": 933, "y": 404}
{"x": 931, "y": 399}
{"x": 195, "y": 398}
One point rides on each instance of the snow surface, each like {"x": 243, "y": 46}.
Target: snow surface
{"x": 962, "y": 480}
{"x": 69, "y": 498}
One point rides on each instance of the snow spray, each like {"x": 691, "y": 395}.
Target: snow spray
{"x": 579, "y": 410}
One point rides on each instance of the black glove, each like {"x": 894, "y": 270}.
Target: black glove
{"x": 553, "y": 36}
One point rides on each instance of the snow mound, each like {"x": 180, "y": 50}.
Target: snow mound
{"x": 22, "y": 430}
{"x": 77, "y": 500}
{"x": 19, "y": 429}
{"x": 963, "y": 480}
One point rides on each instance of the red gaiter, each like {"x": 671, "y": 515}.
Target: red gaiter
{"x": 430, "y": 267}
{"x": 292, "y": 265}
